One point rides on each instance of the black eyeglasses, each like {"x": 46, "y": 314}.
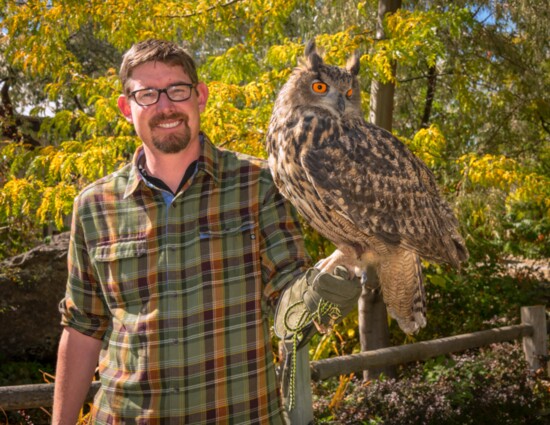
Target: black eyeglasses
{"x": 176, "y": 93}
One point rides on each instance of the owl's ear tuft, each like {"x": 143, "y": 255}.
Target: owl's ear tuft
{"x": 310, "y": 47}
{"x": 313, "y": 60}
{"x": 353, "y": 64}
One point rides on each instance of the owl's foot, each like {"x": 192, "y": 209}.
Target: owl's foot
{"x": 340, "y": 257}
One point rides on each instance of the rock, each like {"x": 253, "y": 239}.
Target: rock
{"x": 32, "y": 284}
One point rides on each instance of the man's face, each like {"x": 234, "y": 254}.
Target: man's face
{"x": 166, "y": 126}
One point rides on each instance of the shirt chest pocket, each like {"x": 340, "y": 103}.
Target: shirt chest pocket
{"x": 232, "y": 245}
{"x": 122, "y": 269}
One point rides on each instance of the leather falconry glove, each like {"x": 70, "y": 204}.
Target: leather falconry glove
{"x": 316, "y": 301}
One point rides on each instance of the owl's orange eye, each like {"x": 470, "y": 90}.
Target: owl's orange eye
{"x": 319, "y": 87}
{"x": 349, "y": 93}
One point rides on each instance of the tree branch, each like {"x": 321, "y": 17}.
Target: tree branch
{"x": 10, "y": 122}
{"x": 421, "y": 77}
{"x": 544, "y": 123}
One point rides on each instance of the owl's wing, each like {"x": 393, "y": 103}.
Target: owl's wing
{"x": 372, "y": 179}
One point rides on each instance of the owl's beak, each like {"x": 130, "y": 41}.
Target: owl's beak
{"x": 341, "y": 104}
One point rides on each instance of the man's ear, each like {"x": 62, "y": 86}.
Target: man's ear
{"x": 202, "y": 95}
{"x": 124, "y": 107}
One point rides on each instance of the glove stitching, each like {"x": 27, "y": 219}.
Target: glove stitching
{"x": 325, "y": 308}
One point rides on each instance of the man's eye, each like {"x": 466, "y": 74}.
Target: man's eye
{"x": 179, "y": 89}
{"x": 146, "y": 94}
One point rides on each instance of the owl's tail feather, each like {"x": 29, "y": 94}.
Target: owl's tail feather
{"x": 461, "y": 252}
{"x": 401, "y": 280}
{"x": 453, "y": 250}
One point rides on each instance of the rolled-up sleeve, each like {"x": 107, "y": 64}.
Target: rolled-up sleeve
{"x": 83, "y": 307}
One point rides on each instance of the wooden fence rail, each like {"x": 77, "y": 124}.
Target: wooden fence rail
{"x": 393, "y": 356}
{"x": 533, "y": 330}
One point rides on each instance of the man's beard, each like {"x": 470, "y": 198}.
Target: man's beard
{"x": 171, "y": 143}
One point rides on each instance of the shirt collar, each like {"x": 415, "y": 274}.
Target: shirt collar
{"x": 134, "y": 176}
{"x": 208, "y": 161}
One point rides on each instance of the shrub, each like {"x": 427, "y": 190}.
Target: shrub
{"x": 491, "y": 386}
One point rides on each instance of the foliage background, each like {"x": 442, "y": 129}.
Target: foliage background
{"x": 471, "y": 100}
{"x": 484, "y": 130}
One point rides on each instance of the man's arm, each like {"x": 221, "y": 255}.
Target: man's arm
{"x": 76, "y": 362}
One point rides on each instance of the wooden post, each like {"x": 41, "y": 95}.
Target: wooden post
{"x": 373, "y": 324}
{"x": 302, "y": 411}
{"x": 535, "y": 346}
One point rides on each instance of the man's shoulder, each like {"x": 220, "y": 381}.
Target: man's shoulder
{"x": 233, "y": 165}
{"x": 235, "y": 160}
{"x": 112, "y": 184}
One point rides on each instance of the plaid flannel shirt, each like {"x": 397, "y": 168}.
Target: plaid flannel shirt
{"x": 179, "y": 290}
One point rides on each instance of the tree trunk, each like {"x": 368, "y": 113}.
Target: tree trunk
{"x": 373, "y": 318}
{"x": 430, "y": 95}
{"x": 381, "y": 103}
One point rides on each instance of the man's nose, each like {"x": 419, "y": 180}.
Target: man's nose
{"x": 164, "y": 101}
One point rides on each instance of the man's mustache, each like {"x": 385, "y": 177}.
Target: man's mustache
{"x": 164, "y": 117}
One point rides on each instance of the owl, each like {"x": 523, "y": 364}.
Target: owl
{"x": 359, "y": 186}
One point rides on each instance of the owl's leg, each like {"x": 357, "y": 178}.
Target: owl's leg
{"x": 402, "y": 285}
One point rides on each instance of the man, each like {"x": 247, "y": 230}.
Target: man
{"x": 174, "y": 263}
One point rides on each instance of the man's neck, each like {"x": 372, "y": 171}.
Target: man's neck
{"x": 170, "y": 168}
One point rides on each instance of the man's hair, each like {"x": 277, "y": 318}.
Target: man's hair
{"x": 153, "y": 50}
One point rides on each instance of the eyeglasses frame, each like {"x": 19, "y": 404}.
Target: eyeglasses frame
{"x": 164, "y": 90}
